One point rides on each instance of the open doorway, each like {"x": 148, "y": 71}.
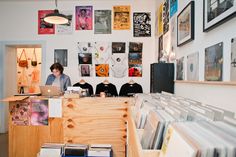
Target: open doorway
{"x": 21, "y": 72}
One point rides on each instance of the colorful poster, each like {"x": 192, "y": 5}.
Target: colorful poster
{"x": 102, "y": 52}
{"x": 135, "y": 58}
{"x": 121, "y": 17}
{"x": 44, "y": 27}
{"x": 66, "y": 28}
{"x": 173, "y": 7}
{"x": 39, "y": 112}
{"x": 214, "y": 63}
{"x": 102, "y": 70}
{"x": 233, "y": 59}
{"x": 60, "y": 56}
{"x": 180, "y": 69}
{"x": 135, "y": 47}
{"x": 160, "y": 20}
{"x": 85, "y": 47}
{"x": 102, "y": 21}
{"x": 142, "y": 24}
{"x": 135, "y": 70}
{"x": 84, "y": 17}
{"x": 166, "y": 17}
{"x": 85, "y": 58}
{"x": 118, "y": 47}
{"x": 21, "y": 113}
{"x": 85, "y": 70}
{"x": 193, "y": 67}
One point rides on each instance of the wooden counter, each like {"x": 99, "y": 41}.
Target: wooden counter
{"x": 85, "y": 121}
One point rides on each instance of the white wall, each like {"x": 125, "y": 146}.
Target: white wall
{"x": 20, "y": 24}
{"x": 221, "y": 96}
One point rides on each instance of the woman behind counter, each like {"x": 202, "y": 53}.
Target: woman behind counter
{"x": 57, "y": 78}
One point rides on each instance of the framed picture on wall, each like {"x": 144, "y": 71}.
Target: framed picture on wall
{"x": 216, "y": 12}
{"x": 185, "y": 25}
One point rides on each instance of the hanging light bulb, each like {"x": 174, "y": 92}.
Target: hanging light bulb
{"x": 56, "y": 17}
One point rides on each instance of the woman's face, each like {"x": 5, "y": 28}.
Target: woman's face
{"x": 56, "y": 72}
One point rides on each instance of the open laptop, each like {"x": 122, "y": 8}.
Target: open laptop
{"x": 50, "y": 91}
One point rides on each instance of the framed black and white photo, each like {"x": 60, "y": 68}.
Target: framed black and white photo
{"x": 185, "y": 25}
{"x": 216, "y": 12}
{"x": 60, "y": 56}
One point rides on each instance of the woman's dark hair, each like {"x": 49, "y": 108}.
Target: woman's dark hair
{"x": 57, "y": 66}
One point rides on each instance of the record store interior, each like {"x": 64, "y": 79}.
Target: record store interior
{"x": 117, "y": 78}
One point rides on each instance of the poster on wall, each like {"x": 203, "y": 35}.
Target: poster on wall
{"x": 121, "y": 20}
{"x": 102, "y": 52}
{"x": 119, "y": 65}
{"x": 217, "y": 12}
{"x": 233, "y": 60}
{"x": 60, "y": 56}
{"x": 21, "y": 113}
{"x": 102, "y": 70}
{"x": 84, "y": 17}
{"x": 166, "y": 16}
{"x": 180, "y": 69}
{"x": 85, "y": 70}
{"x": 173, "y": 36}
{"x": 102, "y": 22}
{"x": 135, "y": 58}
{"x": 185, "y": 25}
{"x": 118, "y": 47}
{"x": 85, "y": 47}
{"x": 160, "y": 47}
{"x": 193, "y": 67}
{"x": 214, "y": 62}
{"x": 39, "y": 112}
{"x": 142, "y": 24}
{"x": 160, "y": 20}
{"x": 85, "y": 58}
{"x": 173, "y": 7}
{"x": 135, "y": 70}
{"x": 66, "y": 28}
{"x": 44, "y": 27}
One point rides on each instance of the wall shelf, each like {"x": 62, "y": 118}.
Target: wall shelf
{"x": 217, "y": 83}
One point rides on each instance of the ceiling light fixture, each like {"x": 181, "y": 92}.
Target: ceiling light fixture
{"x": 56, "y": 17}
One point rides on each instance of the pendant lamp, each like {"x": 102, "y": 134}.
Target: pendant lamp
{"x": 56, "y": 17}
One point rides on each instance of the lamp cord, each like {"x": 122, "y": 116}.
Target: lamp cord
{"x": 56, "y": 3}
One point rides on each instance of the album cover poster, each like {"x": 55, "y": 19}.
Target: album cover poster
{"x": 118, "y": 47}
{"x": 135, "y": 58}
{"x": 102, "y": 70}
{"x": 85, "y": 58}
{"x": 21, "y": 113}
{"x": 173, "y": 7}
{"x": 160, "y": 20}
{"x": 214, "y": 62}
{"x": 121, "y": 20}
{"x": 233, "y": 59}
{"x": 166, "y": 14}
{"x": 102, "y": 22}
{"x": 135, "y": 70}
{"x": 135, "y": 47}
{"x": 85, "y": 70}
{"x": 44, "y": 27}
{"x": 84, "y": 17}
{"x": 180, "y": 69}
{"x": 85, "y": 47}
{"x": 193, "y": 67}
{"x": 142, "y": 24}
{"x": 66, "y": 28}
{"x": 39, "y": 112}
{"x": 60, "y": 56}
{"x": 102, "y": 52}
{"x": 173, "y": 30}
{"x": 119, "y": 65}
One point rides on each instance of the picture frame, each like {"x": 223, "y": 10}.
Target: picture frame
{"x": 215, "y": 14}
{"x": 185, "y": 24}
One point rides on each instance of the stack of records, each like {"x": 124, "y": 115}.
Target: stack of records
{"x": 51, "y": 150}
{"x": 75, "y": 150}
{"x": 100, "y": 150}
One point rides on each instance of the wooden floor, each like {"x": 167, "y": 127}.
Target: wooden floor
{"x": 3, "y": 145}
